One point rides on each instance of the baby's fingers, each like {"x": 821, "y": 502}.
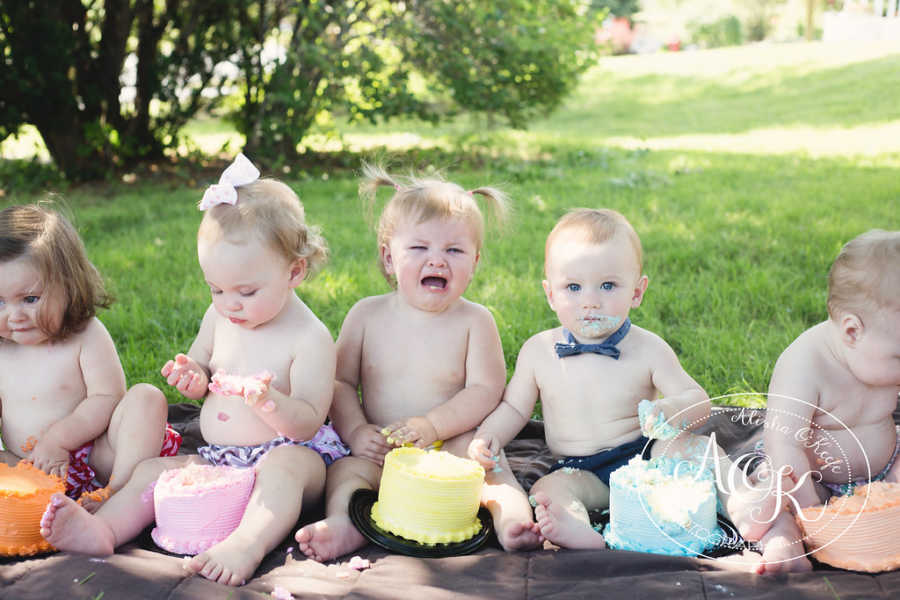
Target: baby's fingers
{"x": 185, "y": 381}
{"x": 167, "y": 368}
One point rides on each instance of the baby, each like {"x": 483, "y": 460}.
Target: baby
{"x": 829, "y": 425}
{"x": 254, "y": 248}
{"x": 427, "y": 364}
{"x": 62, "y": 388}
{"x": 590, "y": 375}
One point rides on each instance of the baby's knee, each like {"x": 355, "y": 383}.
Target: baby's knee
{"x": 146, "y": 401}
{"x": 297, "y": 462}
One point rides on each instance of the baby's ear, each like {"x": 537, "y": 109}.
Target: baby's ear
{"x": 852, "y": 329}
{"x": 548, "y": 292}
{"x": 639, "y": 290}
{"x": 298, "y": 271}
{"x": 386, "y": 259}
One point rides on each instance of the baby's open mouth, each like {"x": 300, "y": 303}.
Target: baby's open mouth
{"x": 434, "y": 282}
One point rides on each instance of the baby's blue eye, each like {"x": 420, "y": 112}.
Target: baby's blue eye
{"x": 608, "y": 285}
{"x": 417, "y": 247}
{"x": 248, "y": 294}
{"x": 574, "y": 287}
{"x": 455, "y": 250}
{"x": 31, "y": 299}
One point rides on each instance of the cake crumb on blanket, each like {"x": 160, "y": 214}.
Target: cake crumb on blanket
{"x": 280, "y": 593}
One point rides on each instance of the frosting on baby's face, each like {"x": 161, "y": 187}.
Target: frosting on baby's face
{"x": 592, "y": 287}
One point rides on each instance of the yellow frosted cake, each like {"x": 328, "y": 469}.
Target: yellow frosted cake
{"x": 858, "y": 532}
{"x": 24, "y": 493}
{"x": 429, "y": 497}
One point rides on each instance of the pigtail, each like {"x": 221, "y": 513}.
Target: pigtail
{"x": 374, "y": 176}
{"x": 315, "y": 250}
{"x": 496, "y": 201}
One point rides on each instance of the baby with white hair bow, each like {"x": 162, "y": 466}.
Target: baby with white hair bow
{"x": 264, "y": 366}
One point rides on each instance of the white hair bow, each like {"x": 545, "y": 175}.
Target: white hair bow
{"x": 240, "y": 172}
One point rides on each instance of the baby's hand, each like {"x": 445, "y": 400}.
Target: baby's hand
{"x": 49, "y": 457}
{"x": 367, "y": 441}
{"x": 251, "y": 388}
{"x": 415, "y": 430}
{"x": 186, "y": 376}
{"x": 484, "y": 451}
{"x": 653, "y": 421}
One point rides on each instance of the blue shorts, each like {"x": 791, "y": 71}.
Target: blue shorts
{"x": 603, "y": 463}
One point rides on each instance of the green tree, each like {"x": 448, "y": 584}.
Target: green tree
{"x": 297, "y": 60}
{"x": 507, "y": 58}
{"x": 63, "y": 64}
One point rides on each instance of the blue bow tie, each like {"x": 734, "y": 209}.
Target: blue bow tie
{"x": 606, "y": 348}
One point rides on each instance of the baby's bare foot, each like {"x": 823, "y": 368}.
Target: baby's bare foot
{"x": 230, "y": 562}
{"x": 329, "y": 538}
{"x": 520, "y": 536}
{"x": 783, "y": 549}
{"x": 69, "y": 527}
{"x": 785, "y": 559}
{"x": 562, "y": 528}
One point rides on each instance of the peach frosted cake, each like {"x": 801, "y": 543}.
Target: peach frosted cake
{"x": 859, "y": 532}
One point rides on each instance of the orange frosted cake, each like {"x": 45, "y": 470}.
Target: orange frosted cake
{"x": 24, "y": 493}
{"x": 429, "y": 497}
{"x": 868, "y": 523}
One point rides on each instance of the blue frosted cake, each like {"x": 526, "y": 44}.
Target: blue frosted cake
{"x": 662, "y": 506}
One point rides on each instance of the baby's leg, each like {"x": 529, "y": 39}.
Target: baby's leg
{"x": 286, "y": 479}
{"x": 336, "y": 535}
{"x": 783, "y": 548}
{"x": 509, "y": 507}
{"x": 563, "y": 501}
{"x": 505, "y": 499}
{"x": 135, "y": 434}
{"x": 69, "y": 527}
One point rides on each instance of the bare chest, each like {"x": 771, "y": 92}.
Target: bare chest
{"x": 847, "y": 404}
{"x": 247, "y": 352}
{"x": 394, "y": 355}
{"x": 596, "y": 387}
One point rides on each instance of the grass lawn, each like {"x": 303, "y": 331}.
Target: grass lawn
{"x": 744, "y": 171}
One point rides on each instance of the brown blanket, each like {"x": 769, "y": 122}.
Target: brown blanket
{"x": 140, "y": 570}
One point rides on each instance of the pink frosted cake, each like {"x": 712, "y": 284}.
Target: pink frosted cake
{"x": 199, "y": 506}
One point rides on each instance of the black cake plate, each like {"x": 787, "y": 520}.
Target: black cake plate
{"x": 731, "y": 542}
{"x": 361, "y": 514}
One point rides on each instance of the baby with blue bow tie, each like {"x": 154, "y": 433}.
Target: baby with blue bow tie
{"x": 590, "y": 374}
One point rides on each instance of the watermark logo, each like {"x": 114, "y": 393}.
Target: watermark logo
{"x": 755, "y": 483}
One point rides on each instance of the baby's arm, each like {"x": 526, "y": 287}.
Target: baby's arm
{"x": 189, "y": 374}
{"x": 104, "y": 382}
{"x": 679, "y": 390}
{"x": 365, "y": 439}
{"x": 791, "y": 381}
{"x": 485, "y": 377}
{"x": 300, "y": 415}
{"x": 508, "y": 419}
